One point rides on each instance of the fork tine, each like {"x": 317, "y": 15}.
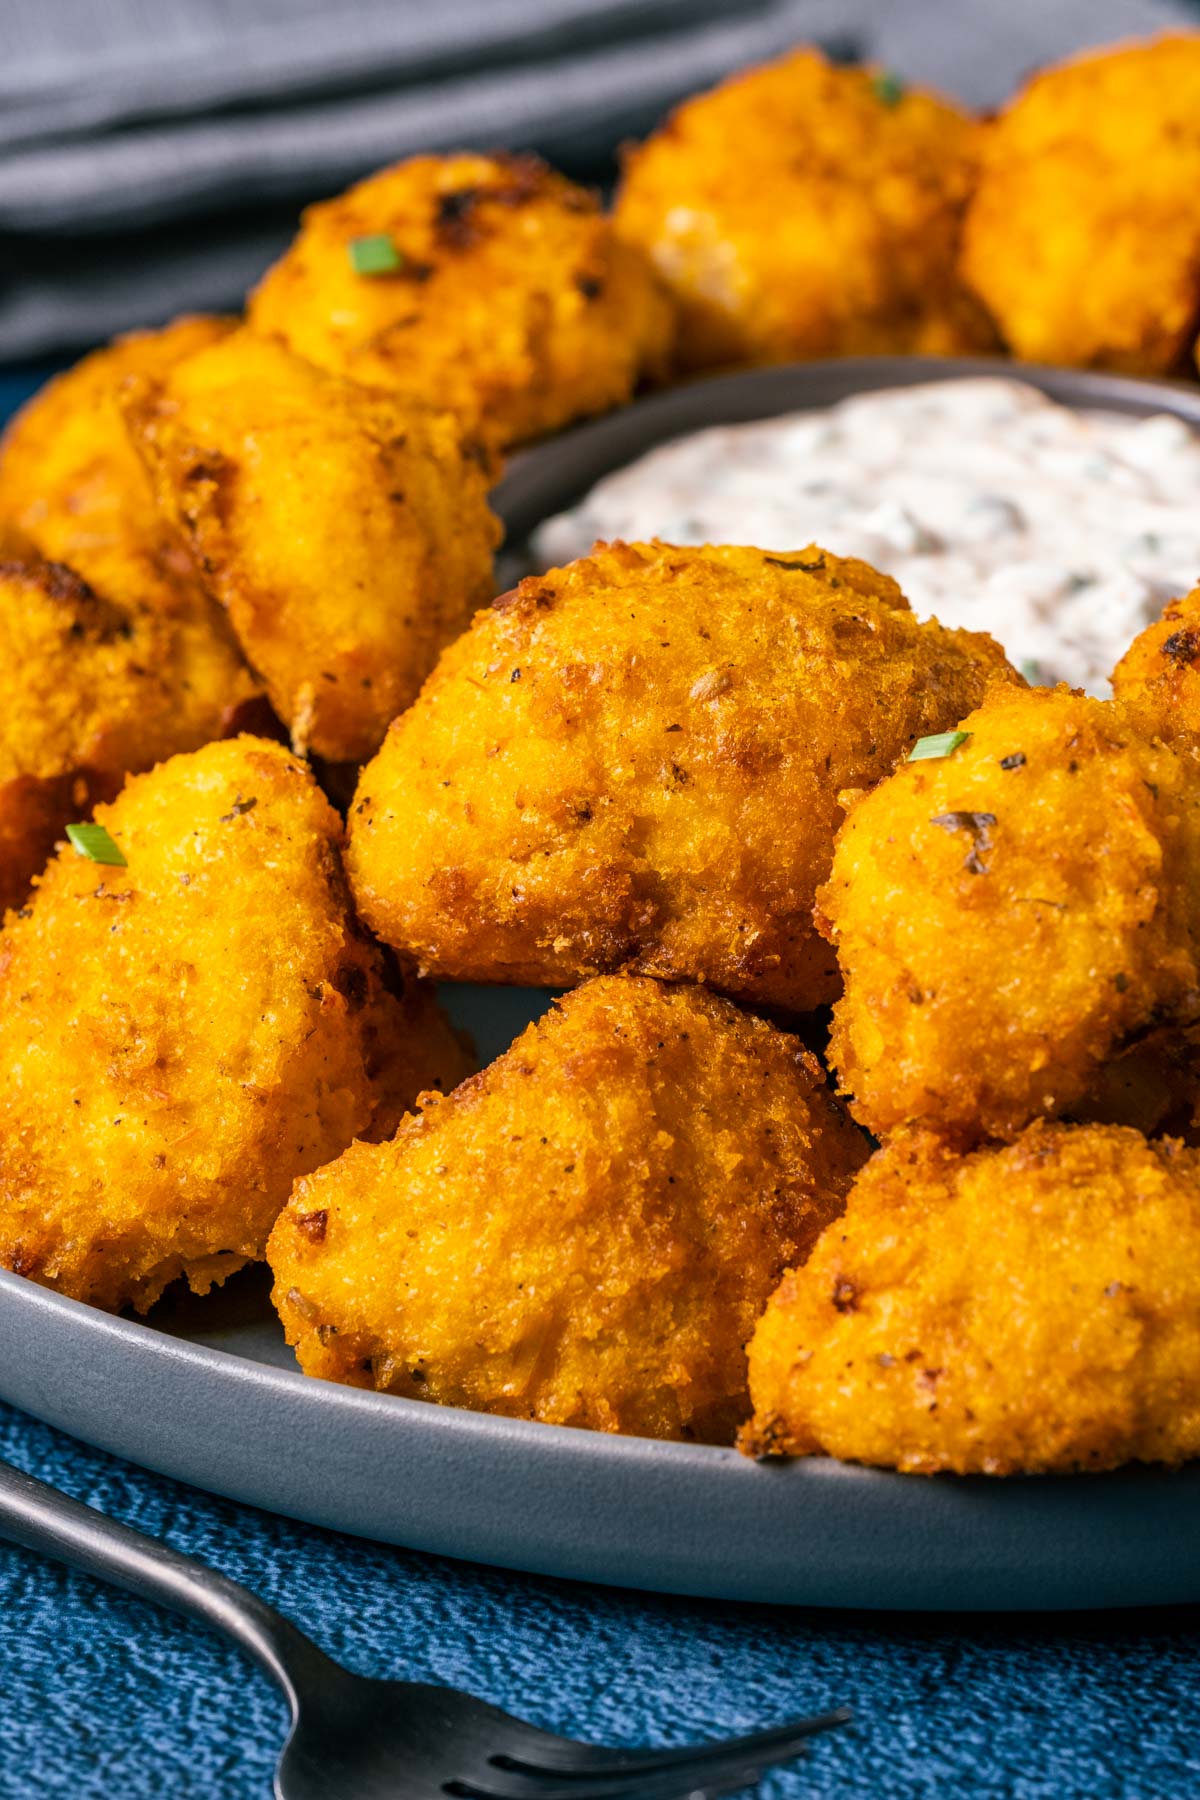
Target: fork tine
{"x": 670, "y": 1784}
{"x": 676, "y": 1786}
{"x": 708, "y": 1770}
{"x": 580, "y": 1760}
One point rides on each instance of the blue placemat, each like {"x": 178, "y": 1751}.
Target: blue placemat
{"x": 107, "y": 1697}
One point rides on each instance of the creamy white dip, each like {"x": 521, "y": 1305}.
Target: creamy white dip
{"x": 1062, "y": 533}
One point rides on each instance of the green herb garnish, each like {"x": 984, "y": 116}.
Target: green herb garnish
{"x": 889, "y": 89}
{"x": 375, "y": 255}
{"x": 94, "y": 842}
{"x": 927, "y": 749}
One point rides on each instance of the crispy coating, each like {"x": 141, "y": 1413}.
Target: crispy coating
{"x": 801, "y": 210}
{"x": 1034, "y": 1308}
{"x": 183, "y": 1036}
{"x": 71, "y": 482}
{"x": 1083, "y": 237}
{"x": 1009, "y": 917}
{"x": 635, "y": 760}
{"x": 1158, "y": 678}
{"x": 584, "y": 1234}
{"x": 78, "y": 704}
{"x": 111, "y": 655}
{"x": 346, "y": 532}
{"x": 514, "y": 303}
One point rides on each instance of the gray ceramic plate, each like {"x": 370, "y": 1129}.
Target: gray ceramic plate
{"x": 207, "y": 1391}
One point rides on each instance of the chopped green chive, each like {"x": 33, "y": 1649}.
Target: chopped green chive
{"x": 926, "y": 749}
{"x": 375, "y": 255}
{"x": 889, "y": 89}
{"x": 94, "y": 842}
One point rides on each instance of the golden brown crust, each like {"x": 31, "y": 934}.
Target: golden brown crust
{"x": 636, "y": 760}
{"x": 72, "y": 716}
{"x": 73, "y": 492}
{"x": 1157, "y": 680}
{"x": 515, "y": 302}
{"x": 113, "y": 657}
{"x": 410, "y": 1049}
{"x": 182, "y": 1036}
{"x": 583, "y": 1234}
{"x": 346, "y": 532}
{"x": 70, "y": 481}
{"x": 1083, "y": 238}
{"x": 803, "y": 210}
{"x": 1027, "y": 1309}
{"x": 1008, "y": 917}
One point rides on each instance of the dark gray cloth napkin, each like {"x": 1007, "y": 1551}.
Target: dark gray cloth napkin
{"x": 153, "y": 153}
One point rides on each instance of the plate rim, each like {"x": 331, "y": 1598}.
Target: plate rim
{"x": 546, "y": 478}
{"x": 640, "y": 1513}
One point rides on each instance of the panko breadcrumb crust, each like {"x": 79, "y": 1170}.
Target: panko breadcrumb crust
{"x": 81, "y": 702}
{"x": 346, "y": 531}
{"x": 181, "y": 1036}
{"x": 636, "y": 761}
{"x": 1028, "y": 1309}
{"x": 1157, "y": 680}
{"x": 1009, "y": 917}
{"x": 512, "y": 300}
{"x": 70, "y": 480}
{"x": 583, "y": 1234}
{"x": 805, "y": 210}
{"x": 111, "y": 655}
{"x": 1083, "y": 237}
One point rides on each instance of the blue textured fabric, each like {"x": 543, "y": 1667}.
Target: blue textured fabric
{"x": 106, "y": 1698}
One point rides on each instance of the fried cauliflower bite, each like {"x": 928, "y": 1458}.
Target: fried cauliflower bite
{"x": 184, "y": 1034}
{"x": 801, "y": 210}
{"x": 80, "y": 702}
{"x": 635, "y": 760}
{"x": 70, "y": 481}
{"x": 1028, "y": 1309}
{"x": 1009, "y": 917}
{"x": 1083, "y": 236}
{"x": 73, "y": 491}
{"x": 1157, "y": 680}
{"x": 112, "y": 656}
{"x": 504, "y": 293}
{"x": 346, "y": 532}
{"x": 584, "y": 1234}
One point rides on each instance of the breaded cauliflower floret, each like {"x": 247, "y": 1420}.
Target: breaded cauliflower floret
{"x": 113, "y": 656}
{"x": 488, "y": 284}
{"x": 70, "y": 481}
{"x": 636, "y": 760}
{"x": 1157, "y": 680}
{"x": 584, "y": 1234}
{"x": 1008, "y": 917}
{"x": 346, "y": 532}
{"x": 1031, "y": 1309}
{"x": 1083, "y": 236}
{"x": 803, "y": 210}
{"x": 183, "y": 1034}
{"x": 82, "y": 700}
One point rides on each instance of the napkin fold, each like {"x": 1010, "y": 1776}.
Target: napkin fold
{"x": 153, "y": 153}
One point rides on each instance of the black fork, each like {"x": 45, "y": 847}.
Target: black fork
{"x": 359, "y": 1739}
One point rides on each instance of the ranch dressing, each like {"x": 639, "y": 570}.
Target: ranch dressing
{"x": 1062, "y": 533}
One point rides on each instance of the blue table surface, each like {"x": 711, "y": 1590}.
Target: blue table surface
{"x": 106, "y": 1698}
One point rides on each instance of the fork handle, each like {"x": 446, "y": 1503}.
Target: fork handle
{"x": 40, "y": 1518}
